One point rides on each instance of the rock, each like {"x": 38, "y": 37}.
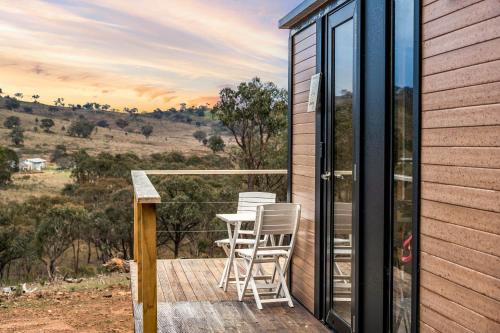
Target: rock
{"x": 117, "y": 265}
{"x": 107, "y": 295}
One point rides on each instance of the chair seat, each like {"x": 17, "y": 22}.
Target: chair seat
{"x": 341, "y": 251}
{"x": 341, "y": 241}
{"x": 261, "y": 253}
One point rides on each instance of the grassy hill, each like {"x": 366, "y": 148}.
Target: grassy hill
{"x": 167, "y": 135}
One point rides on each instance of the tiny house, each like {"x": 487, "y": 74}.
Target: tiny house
{"x": 394, "y": 145}
{"x": 33, "y": 164}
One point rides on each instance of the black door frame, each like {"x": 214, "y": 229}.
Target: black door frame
{"x": 333, "y": 20}
{"x": 371, "y": 191}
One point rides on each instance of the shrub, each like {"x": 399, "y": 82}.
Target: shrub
{"x": 103, "y": 123}
{"x": 12, "y": 122}
{"x": 216, "y": 144}
{"x": 147, "y": 130}
{"x": 122, "y": 123}
{"x": 17, "y": 136}
{"x": 81, "y": 128}
{"x": 47, "y": 124}
{"x": 28, "y": 109}
{"x": 199, "y": 135}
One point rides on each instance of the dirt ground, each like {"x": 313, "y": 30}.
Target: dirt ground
{"x": 101, "y": 304}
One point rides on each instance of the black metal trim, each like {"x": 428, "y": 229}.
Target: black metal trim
{"x": 290, "y": 127}
{"x": 324, "y": 10}
{"x": 290, "y": 134}
{"x": 417, "y": 56}
{"x": 416, "y": 144}
{"x": 318, "y": 228}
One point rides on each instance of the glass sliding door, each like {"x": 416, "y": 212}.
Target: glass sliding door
{"x": 402, "y": 166}
{"x": 340, "y": 129}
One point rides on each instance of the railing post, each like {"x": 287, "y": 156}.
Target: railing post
{"x": 148, "y": 271}
{"x": 136, "y": 228}
{"x": 140, "y": 258}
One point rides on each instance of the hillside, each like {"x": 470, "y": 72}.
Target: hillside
{"x": 167, "y": 135}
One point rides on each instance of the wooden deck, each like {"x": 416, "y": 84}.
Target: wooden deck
{"x": 189, "y": 300}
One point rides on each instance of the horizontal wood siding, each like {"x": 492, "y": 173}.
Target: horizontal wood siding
{"x": 460, "y": 171}
{"x": 303, "y": 163}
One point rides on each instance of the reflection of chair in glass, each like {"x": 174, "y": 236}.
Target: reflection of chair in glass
{"x": 403, "y": 305}
{"x": 342, "y": 251}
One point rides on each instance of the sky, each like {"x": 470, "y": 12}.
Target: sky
{"x": 147, "y": 54}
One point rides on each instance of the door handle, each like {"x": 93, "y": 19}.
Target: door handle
{"x": 326, "y": 175}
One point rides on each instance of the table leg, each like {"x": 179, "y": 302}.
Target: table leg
{"x": 226, "y": 264}
{"x": 231, "y": 253}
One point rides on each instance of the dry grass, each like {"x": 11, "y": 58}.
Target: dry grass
{"x": 167, "y": 136}
{"x": 50, "y": 182}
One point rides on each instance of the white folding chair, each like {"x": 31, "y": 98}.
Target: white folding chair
{"x": 247, "y": 203}
{"x": 272, "y": 220}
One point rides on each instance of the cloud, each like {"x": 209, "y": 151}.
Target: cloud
{"x": 153, "y": 92}
{"x": 148, "y": 53}
{"x": 202, "y": 100}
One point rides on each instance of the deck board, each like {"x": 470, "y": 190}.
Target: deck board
{"x": 189, "y": 300}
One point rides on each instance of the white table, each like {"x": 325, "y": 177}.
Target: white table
{"x": 232, "y": 220}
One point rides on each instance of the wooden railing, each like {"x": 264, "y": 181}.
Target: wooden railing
{"x": 145, "y": 199}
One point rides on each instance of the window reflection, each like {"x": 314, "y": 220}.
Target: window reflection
{"x": 343, "y": 161}
{"x": 402, "y": 157}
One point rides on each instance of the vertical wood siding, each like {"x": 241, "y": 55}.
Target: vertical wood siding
{"x": 460, "y": 172}
{"x": 303, "y": 164}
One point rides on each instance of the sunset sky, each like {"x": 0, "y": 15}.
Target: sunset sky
{"x": 147, "y": 54}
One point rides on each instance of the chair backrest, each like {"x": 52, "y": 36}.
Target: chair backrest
{"x": 278, "y": 219}
{"x": 248, "y": 201}
{"x": 342, "y": 218}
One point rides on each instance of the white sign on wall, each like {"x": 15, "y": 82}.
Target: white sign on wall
{"x": 314, "y": 92}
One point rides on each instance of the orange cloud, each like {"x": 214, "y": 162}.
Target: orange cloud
{"x": 211, "y": 100}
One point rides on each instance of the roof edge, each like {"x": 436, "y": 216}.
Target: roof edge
{"x": 298, "y": 13}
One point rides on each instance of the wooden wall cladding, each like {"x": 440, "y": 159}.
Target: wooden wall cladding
{"x": 460, "y": 171}
{"x": 303, "y": 163}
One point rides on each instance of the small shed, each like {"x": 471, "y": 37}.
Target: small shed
{"x": 33, "y": 164}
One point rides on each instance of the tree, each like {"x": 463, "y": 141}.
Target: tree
{"x": 216, "y": 144}
{"x": 59, "y": 101}
{"x": 9, "y": 163}
{"x": 11, "y": 103}
{"x": 199, "y": 135}
{"x": 17, "y": 136}
{"x": 185, "y": 211}
{"x": 19, "y": 95}
{"x": 122, "y": 123}
{"x": 35, "y": 98}
{"x": 1, "y": 92}
{"x": 14, "y": 236}
{"x": 105, "y": 107}
{"x": 255, "y": 114}
{"x": 11, "y": 122}
{"x": 147, "y": 130}
{"x": 57, "y": 230}
{"x": 103, "y": 123}
{"x": 47, "y": 124}
{"x": 61, "y": 157}
{"x": 132, "y": 112}
{"x": 81, "y": 128}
